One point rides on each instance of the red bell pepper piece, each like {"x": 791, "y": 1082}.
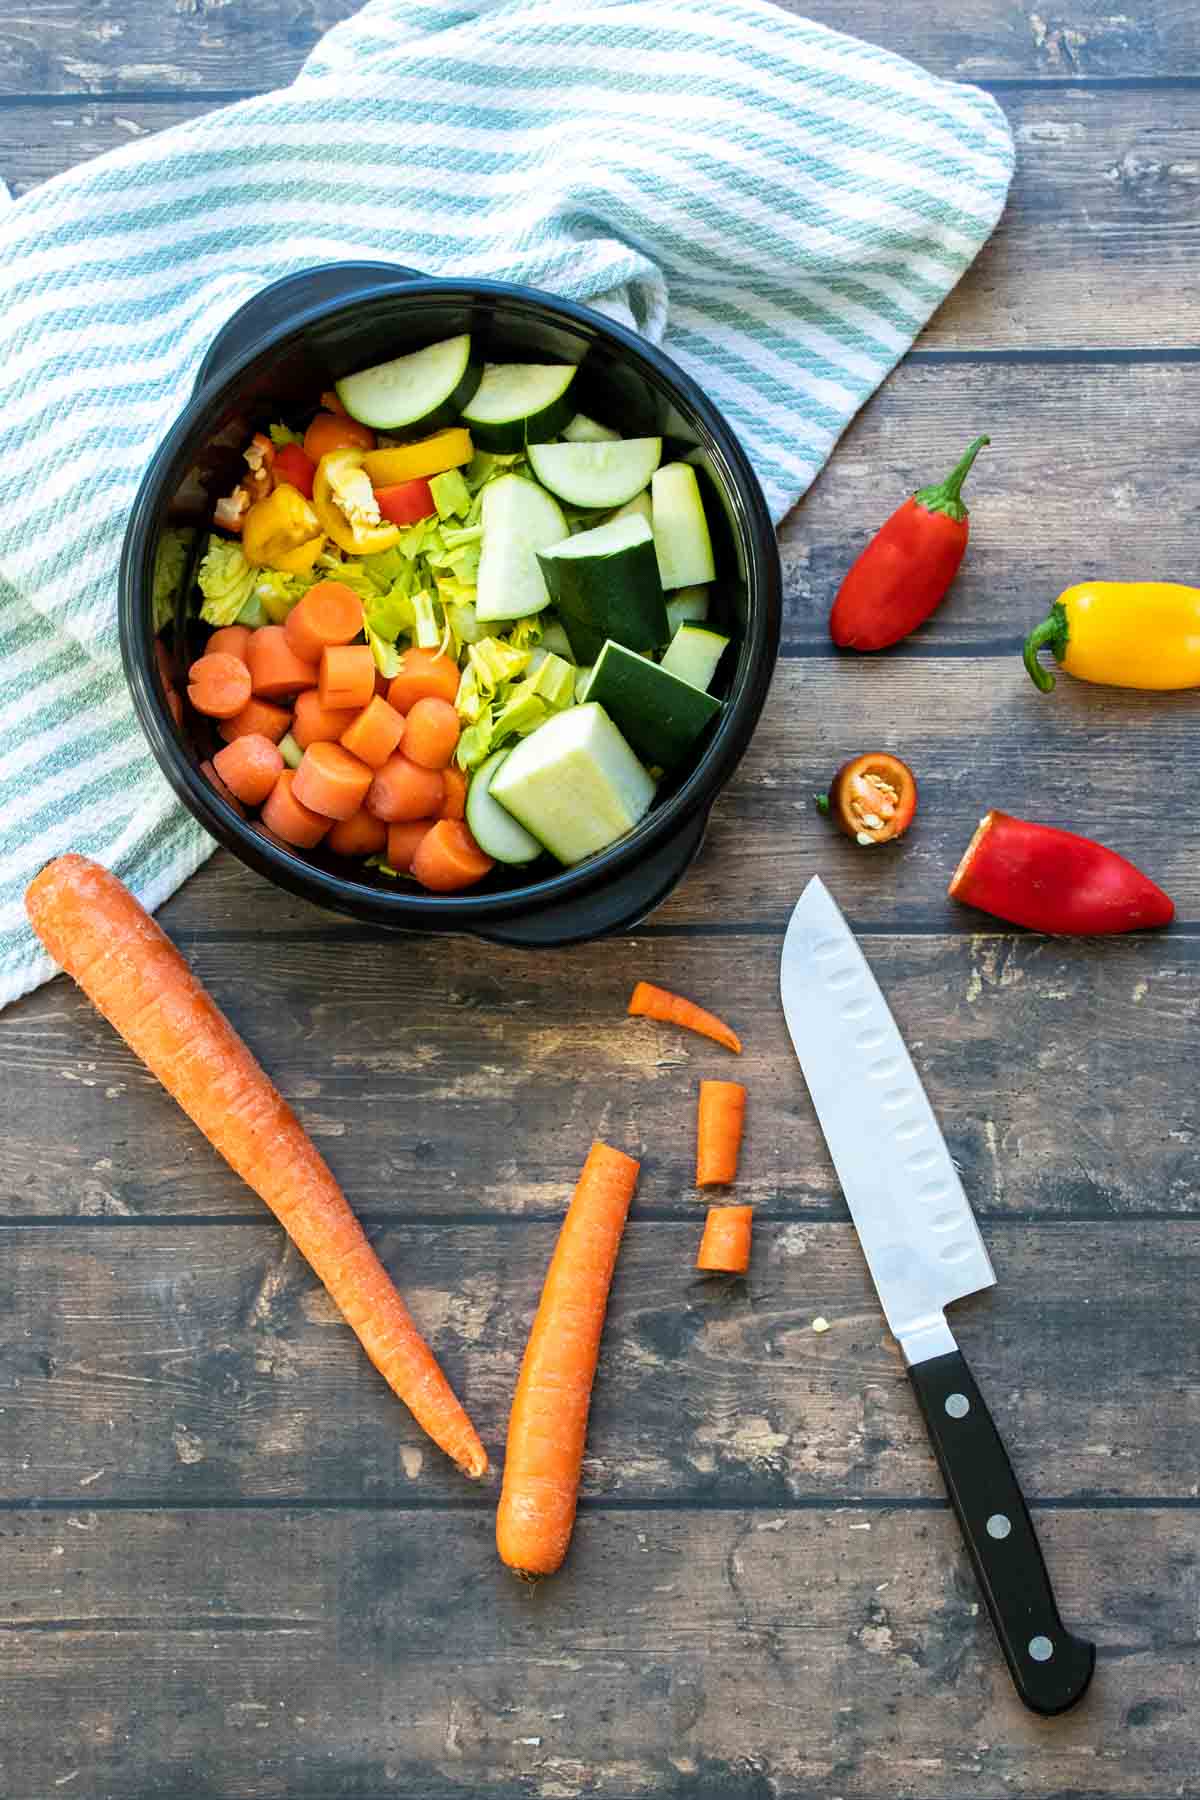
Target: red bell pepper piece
{"x": 903, "y": 573}
{"x": 295, "y": 468}
{"x": 406, "y": 501}
{"x": 1055, "y": 881}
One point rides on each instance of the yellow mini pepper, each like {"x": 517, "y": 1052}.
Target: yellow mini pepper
{"x": 1132, "y": 634}
{"x": 346, "y": 507}
{"x": 282, "y": 531}
{"x": 428, "y": 456}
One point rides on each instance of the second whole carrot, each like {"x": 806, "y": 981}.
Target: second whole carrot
{"x": 547, "y": 1430}
{"x": 127, "y": 966}
{"x": 719, "y": 1120}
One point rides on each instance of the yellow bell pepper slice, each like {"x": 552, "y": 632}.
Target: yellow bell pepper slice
{"x": 300, "y": 560}
{"x": 429, "y": 456}
{"x": 345, "y": 505}
{"x": 277, "y": 525}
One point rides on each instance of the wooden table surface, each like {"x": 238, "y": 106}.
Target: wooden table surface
{"x": 233, "y": 1568}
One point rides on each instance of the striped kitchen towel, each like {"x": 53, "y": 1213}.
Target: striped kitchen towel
{"x": 779, "y": 205}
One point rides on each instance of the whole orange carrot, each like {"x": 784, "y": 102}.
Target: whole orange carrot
{"x": 650, "y": 1002}
{"x": 132, "y": 973}
{"x": 719, "y": 1120}
{"x": 725, "y": 1246}
{"x": 548, "y": 1426}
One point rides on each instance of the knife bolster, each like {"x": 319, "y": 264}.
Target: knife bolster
{"x": 930, "y": 1337}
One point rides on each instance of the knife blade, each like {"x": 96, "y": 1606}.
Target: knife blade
{"x": 924, "y": 1250}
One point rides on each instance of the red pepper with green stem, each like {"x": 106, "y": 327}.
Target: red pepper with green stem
{"x": 1055, "y": 881}
{"x": 904, "y": 572}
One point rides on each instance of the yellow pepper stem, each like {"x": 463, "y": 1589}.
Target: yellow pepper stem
{"x": 1053, "y": 631}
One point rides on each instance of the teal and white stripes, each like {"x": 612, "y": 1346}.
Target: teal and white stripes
{"x": 781, "y": 206}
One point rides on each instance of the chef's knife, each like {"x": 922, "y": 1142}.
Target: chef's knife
{"x": 924, "y": 1250}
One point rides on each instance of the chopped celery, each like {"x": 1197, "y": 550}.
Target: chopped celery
{"x": 451, "y": 495}
{"x": 290, "y": 751}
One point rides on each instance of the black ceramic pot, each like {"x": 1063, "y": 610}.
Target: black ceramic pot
{"x": 272, "y": 360}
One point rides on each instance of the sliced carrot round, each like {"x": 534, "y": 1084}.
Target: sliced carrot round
{"x": 275, "y": 669}
{"x": 219, "y": 685}
{"x": 423, "y": 673}
{"x": 403, "y": 839}
{"x": 289, "y": 819}
{"x": 229, "y": 640}
{"x": 249, "y": 767}
{"x": 257, "y": 716}
{"x": 431, "y": 732}
{"x": 330, "y": 613}
{"x": 404, "y": 790}
{"x": 330, "y": 781}
{"x": 347, "y": 676}
{"x": 375, "y": 733}
{"x": 454, "y": 801}
{"x": 210, "y": 773}
{"x": 448, "y": 858}
{"x": 317, "y": 724}
{"x": 362, "y": 834}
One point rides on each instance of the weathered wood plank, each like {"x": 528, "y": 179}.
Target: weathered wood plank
{"x": 1099, "y": 245}
{"x": 56, "y": 46}
{"x": 726, "y": 1656}
{"x": 202, "y": 1363}
{"x": 1057, "y": 1069}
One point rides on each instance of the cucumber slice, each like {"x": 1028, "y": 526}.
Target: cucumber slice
{"x": 693, "y": 655}
{"x": 660, "y": 715}
{"x": 681, "y": 536}
{"x": 574, "y": 783}
{"x": 519, "y": 519}
{"x": 519, "y": 403}
{"x": 598, "y": 475}
{"x": 583, "y": 679}
{"x": 493, "y": 828}
{"x": 555, "y": 638}
{"x": 419, "y": 392}
{"x": 686, "y": 606}
{"x": 637, "y": 508}
{"x": 605, "y": 585}
{"x": 583, "y": 430}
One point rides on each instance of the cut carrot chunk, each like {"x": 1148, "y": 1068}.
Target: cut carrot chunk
{"x": 725, "y": 1246}
{"x": 347, "y": 676}
{"x": 249, "y": 767}
{"x": 362, "y": 834}
{"x": 403, "y": 839}
{"x": 218, "y": 686}
{"x": 330, "y": 781}
{"x": 404, "y": 790}
{"x": 317, "y": 724}
{"x": 210, "y": 773}
{"x": 431, "y": 732}
{"x": 423, "y": 673}
{"x": 448, "y": 858}
{"x": 454, "y": 805}
{"x": 229, "y": 640}
{"x": 289, "y": 819}
{"x": 256, "y": 717}
{"x": 375, "y": 733}
{"x": 275, "y": 669}
{"x": 330, "y": 613}
{"x": 719, "y": 1121}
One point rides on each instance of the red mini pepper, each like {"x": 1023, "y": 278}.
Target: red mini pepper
{"x": 872, "y": 798}
{"x": 903, "y": 573}
{"x": 292, "y": 466}
{"x": 1055, "y": 881}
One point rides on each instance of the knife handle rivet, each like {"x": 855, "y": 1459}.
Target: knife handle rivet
{"x": 1041, "y": 1649}
{"x": 999, "y": 1526}
{"x": 957, "y": 1405}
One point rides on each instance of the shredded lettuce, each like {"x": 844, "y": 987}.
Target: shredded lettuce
{"x": 494, "y": 663}
{"x": 170, "y": 569}
{"x": 281, "y": 435}
{"x": 253, "y": 614}
{"x": 516, "y": 707}
{"x": 226, "y": 581}
{"x": 451, "y": 495}
{"x": 279, "y": 592}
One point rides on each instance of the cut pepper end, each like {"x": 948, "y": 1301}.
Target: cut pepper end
{"x": 968, "y": 855}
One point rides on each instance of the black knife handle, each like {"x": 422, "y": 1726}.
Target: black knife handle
{"x": 1051, "y": 1668}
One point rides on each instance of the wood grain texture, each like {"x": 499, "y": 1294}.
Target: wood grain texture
{"x": 1060, "y": 1073}
{"x": 719, "y": 1656}
{"x": 57, "y": 46}
{"x": 1100, "y": 244}
{"x": 203, "y": 1363}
